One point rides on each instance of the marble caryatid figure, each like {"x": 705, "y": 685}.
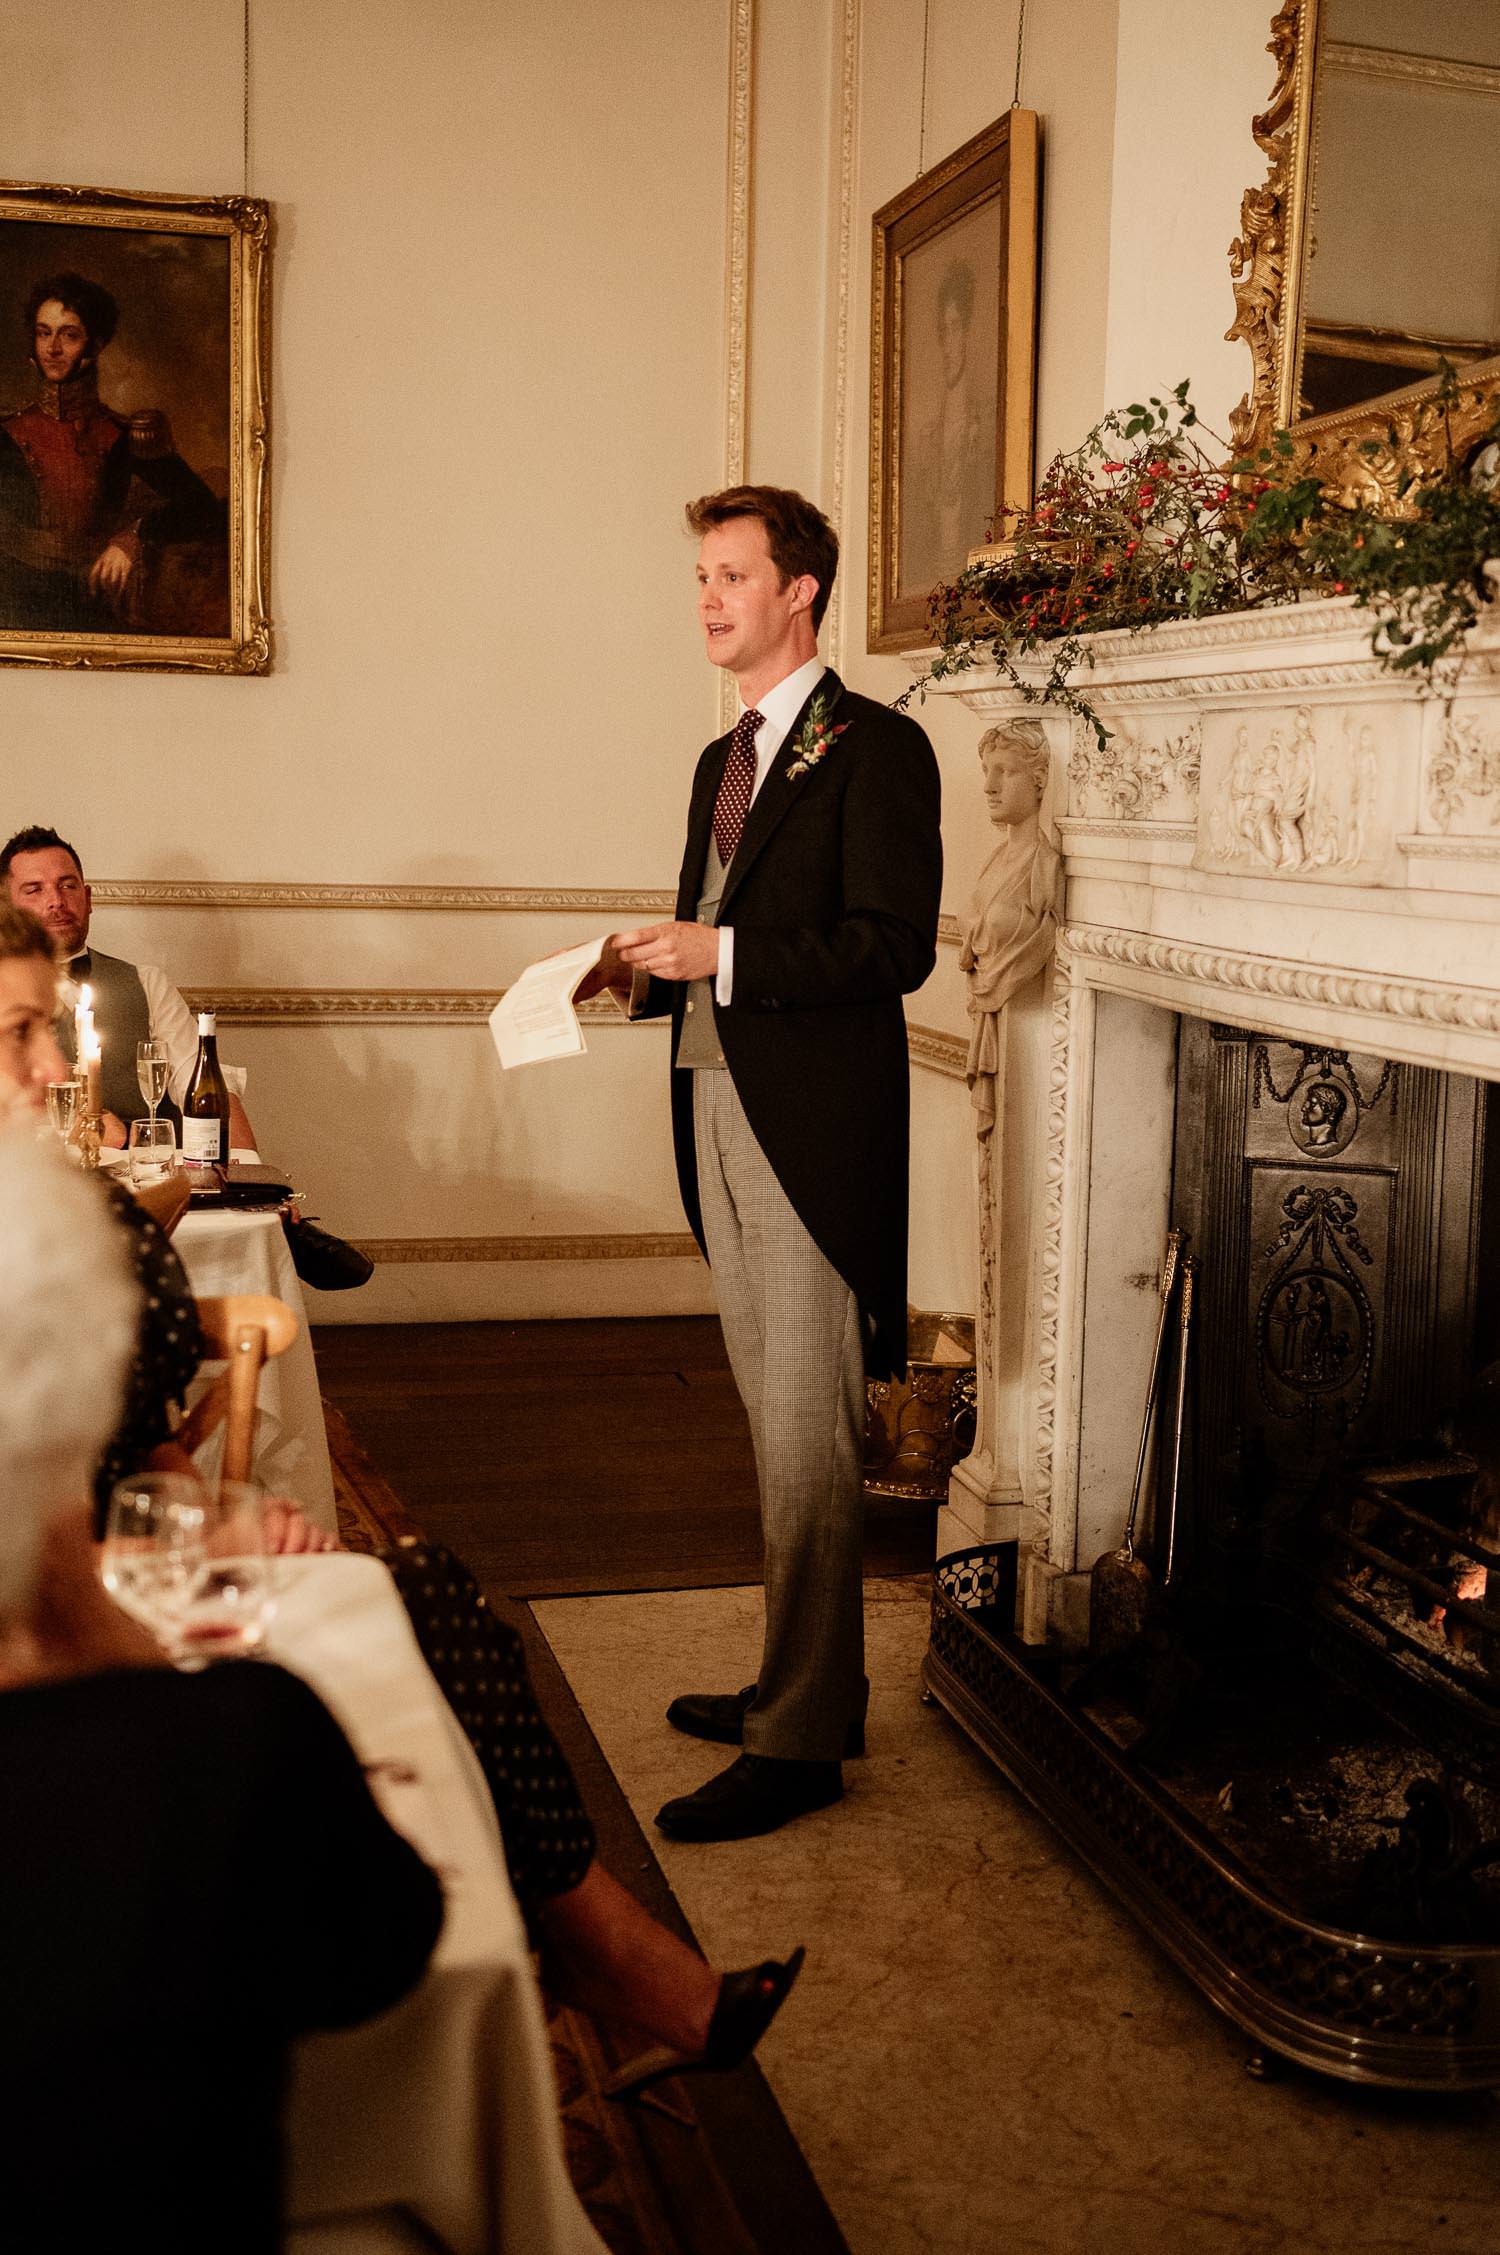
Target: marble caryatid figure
{"x": 1011, "y": 923}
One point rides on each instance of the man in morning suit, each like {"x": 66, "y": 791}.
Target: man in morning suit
{"x": 807, "y": 906}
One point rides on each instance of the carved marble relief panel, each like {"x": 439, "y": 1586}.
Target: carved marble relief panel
{"x": 1308, "y": 792}
{"x": 1140, "y": 774}
{"x": 1461, "y": 777}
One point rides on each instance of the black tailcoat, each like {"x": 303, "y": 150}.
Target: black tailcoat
{"x": 833, "y": 896}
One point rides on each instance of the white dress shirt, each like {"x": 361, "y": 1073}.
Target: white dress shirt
{"x": 778, "y": 708}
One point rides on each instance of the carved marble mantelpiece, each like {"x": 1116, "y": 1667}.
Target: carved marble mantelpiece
{"x": 1280, "y": 833}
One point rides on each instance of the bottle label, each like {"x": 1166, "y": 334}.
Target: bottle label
{"x": 200, "y": 1142}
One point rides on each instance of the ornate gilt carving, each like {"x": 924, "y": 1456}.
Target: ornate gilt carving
{"x": 1258, "y": 254}
{"x": 1268, "y": 262}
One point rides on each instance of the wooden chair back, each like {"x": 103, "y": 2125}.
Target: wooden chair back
{"x": 166, "y": 1202}
{"x": 244, "y": 1331}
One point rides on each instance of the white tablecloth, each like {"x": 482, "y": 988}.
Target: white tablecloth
{"x": 248, "y": 1252}
{"x": 444, "y": 2108}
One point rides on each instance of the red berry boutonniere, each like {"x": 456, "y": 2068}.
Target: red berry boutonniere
{"x": 816, "y": 739}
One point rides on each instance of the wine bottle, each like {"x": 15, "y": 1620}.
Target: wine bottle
{"x": 205, "y": 1108}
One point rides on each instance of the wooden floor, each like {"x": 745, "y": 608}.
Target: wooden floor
{"x": 566, "y": 1458}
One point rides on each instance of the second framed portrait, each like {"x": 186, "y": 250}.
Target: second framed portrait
{"x": 953, "y": 369}
{"x": 133, "y": 487}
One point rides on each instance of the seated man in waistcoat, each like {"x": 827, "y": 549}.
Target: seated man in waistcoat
{"x": 132, "y": 1002}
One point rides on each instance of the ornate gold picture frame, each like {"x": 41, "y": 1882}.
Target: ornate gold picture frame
{"x": 952, "y": 368}
{"x": 1370, "y": 451}
{"x": 134, "y": 372}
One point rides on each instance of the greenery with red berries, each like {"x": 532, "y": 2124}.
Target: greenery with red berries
{"x": 1145, "y": 522}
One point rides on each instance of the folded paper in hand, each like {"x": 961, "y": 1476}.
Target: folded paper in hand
{"x": 535, "y": 1019}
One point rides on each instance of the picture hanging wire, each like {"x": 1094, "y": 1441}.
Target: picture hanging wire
{"x": 922, "y": 128}
{"x": 247, "y": 97}
{"x": 1015, "y": 100}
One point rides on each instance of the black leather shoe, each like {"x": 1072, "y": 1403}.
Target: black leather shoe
{"x": 720, "y": 1715}
{"x": 747, "y": 2004}
{"x": 755, "y": 1794}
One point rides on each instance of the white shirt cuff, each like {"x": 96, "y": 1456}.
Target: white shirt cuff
{"x": 724, "y": 980}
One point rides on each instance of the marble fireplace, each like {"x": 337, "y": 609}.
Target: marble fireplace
{"x": 1282, "y": 881}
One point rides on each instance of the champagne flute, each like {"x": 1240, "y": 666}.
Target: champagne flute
{"x": 151, "y": 1073}
{"x": 63, "y": 1099}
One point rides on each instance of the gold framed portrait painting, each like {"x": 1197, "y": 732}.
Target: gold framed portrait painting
{"x": 953, "y": 361}
{"x": 133, "y": 411}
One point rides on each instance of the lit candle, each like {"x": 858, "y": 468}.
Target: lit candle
{"x": 93, "y": 1065}
{"x": 83, "y": 1022}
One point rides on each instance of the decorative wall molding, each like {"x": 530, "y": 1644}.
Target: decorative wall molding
{"x": 470, "y": 1006}
{"x": 948, "y": 931}
{"x": 1074, "y": 832}
{"x": 385, "y": 1006}
{"x": 1421, "y": 1001}
{"x": 1392, "y": 64}
{"x": 1447, "y": 848}
{"x": 405, "y": 1252}
{"x": 947, "y": 1054}
{"x": 520, "y": 900}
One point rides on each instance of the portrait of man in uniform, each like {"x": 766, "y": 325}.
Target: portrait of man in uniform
{"x": 123, "y": 450}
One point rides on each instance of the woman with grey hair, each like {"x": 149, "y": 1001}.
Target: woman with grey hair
{"x": 196, "y": 1872}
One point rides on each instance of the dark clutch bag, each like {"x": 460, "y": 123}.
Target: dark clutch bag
{"x": 241, "y": 1185}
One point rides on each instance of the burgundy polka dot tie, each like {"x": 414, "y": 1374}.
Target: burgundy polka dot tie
{"x": 735, "y": 786}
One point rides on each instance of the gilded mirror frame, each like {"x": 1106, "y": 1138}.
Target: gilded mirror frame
{"x": 1366, "y": 453}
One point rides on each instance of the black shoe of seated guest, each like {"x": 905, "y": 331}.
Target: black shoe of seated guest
{"x": 747, "y": 2004}
{"x": 720, "y": 1716}
{"x": 326, "y": 1262}
{"x": 756, "y": 1794}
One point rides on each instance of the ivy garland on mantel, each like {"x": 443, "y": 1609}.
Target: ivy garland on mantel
{"x": 1145, "y": 522}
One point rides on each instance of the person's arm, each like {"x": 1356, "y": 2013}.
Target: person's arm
{"x": 175, "y": 1027}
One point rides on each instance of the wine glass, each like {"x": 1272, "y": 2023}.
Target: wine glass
{"x": 63, "y": 1099}
{"x": 151, "y": 1073}
{"x": 231, "y": 1595}
{"x": 155, "y": 1547}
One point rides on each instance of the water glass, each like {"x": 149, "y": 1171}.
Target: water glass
{"x": 153, "y": 1151}
{"x": 155, "y": 1547}
{"x": 231, "y": 1598}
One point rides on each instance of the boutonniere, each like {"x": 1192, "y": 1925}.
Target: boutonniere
{"x": 816, "y": 738}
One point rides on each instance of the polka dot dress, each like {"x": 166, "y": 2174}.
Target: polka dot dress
{"x": 169, "y": 1346}
{"x": 480, "y": 1665}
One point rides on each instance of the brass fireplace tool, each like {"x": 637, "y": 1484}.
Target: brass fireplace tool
{"x": 1123, "y": 1588}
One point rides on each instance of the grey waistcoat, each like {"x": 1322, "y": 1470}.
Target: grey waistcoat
{"x": 122, "y": 1019}
{"x": 699, "y": 1048}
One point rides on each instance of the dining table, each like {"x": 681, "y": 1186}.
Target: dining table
{"x": 436, "y": 2124}
{"x": 226, "y": 1252}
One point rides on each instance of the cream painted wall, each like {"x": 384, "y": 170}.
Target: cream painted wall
{"x": 499, "y": 367}
{"x": 1147, "y": 150}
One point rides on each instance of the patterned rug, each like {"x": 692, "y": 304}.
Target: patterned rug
{"x": 644, "y": 2173}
